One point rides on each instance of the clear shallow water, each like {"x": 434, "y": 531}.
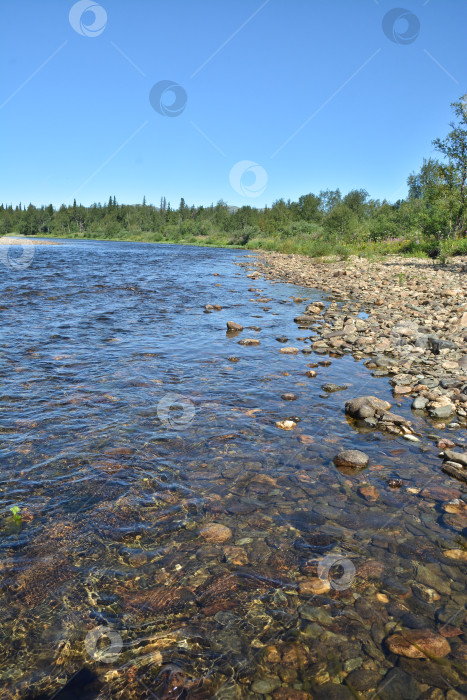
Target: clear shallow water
{"x": 126, "y": 430}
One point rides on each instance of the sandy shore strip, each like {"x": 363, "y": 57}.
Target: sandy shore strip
{"x": 21, "y": 240}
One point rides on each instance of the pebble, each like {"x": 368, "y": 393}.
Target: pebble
{"x": 286, "y": 424}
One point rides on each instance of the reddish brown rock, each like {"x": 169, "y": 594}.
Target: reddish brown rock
{"x": 368, "y": 492}
{"x": 418, "y": 644}
{"x": 216, "y": 533}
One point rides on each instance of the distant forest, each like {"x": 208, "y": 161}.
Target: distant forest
{"x": 434, "y": 215}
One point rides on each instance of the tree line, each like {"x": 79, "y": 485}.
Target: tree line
{"x": 434, "y": 210}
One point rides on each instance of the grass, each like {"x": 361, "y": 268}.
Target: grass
{"x": 316, "y": 245}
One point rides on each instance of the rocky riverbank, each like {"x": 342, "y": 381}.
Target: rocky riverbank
{"x": 406, "y": 318}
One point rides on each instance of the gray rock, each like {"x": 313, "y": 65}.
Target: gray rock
{"x": 331, "y": 388}
{"x": 352, "y": 458}
{"x": 455, "y": 470}
{"x": 304, "y": 319}
{"x": 419, "y": 403}
{"x": 434, "y": 344}
{"x": 398, "y": 684}
{"x": 458, "y": 457}
{"x": 441, "y": 411}
{"x": 315, "y": 614}
{"x": 333, "y": 691}
{"x": 365, "y": 407}
{"x": 264, "y": 686}
{"x": 362, "y": 679}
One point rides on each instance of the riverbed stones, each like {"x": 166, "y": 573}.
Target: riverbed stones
{"x": 289, "y": 397}
{"x": 409, "y": 331}
{"x": 418, "y": 644}
{"x": 362, "y": 679}
{"x": 232, "y": 326}
{"x": 441, "y": 407}
{"x": 216, "y": 533}
{"x": 457, "y": 457}
{"x": 398, "y": 684}
{"x": 289, "y": 351}
{"x": 455, "y": 470}
{"x": 375, "y": 413}
{"x": 455, "y": 464}
{"x": 265, "y": 686}
{"x": 353, "y": 459}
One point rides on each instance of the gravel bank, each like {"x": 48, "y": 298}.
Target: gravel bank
{"x": 406, "y": 317}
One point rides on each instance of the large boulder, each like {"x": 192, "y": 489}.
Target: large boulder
{"x": 366, "y": 407}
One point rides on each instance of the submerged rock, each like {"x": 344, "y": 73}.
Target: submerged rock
{"x": 418, "y": 644}
{"x": 249, "y": 341}
{"x": 216, "y": 533}
{"x": 352, "y": 458}
{"x": 331, "y": 388}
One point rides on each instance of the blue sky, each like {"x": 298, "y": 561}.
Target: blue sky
{"x": 304, "y": 94}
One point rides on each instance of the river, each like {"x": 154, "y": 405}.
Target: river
{"x": 163, "y": 512}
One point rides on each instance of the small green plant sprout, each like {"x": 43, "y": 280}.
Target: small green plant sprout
{"x": 401, "y": 279}
{"x": 16, "y": 513}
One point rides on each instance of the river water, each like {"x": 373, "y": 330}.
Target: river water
{"x": 133, "y": 426}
